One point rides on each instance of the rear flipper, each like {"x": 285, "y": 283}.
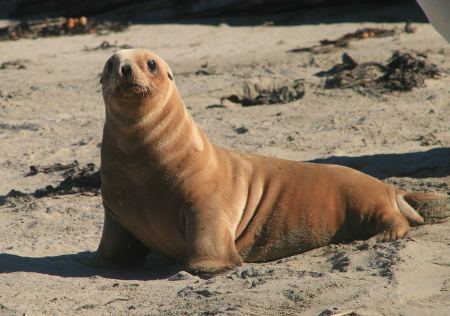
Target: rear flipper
{"x": 423, "y": 208}
{"x": 392, "y": 224}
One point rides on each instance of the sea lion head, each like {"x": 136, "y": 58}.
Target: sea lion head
{"x": 136, "y": 76}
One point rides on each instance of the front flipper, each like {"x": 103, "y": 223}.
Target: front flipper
{"x": 210, "y": 242}
{"x": 118, "y": 248}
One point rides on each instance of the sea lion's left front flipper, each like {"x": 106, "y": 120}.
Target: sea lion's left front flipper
{"x": 210, "y": 242}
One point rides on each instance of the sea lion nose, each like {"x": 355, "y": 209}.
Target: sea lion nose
{"x": 125, "y": 70}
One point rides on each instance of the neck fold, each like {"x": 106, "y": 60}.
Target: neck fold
{"x": 163, "y": 135}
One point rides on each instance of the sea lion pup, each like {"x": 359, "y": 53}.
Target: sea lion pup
{"x": 166, "y": 187}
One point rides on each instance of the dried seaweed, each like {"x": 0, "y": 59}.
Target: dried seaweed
{"x": 326, "y": 46}
{"x": 14, "y": 64}
{"x": 59, "y": 27}
{"x": 406, "y": 71}
{"x": 107, "y": 45}
{"x": 402, "y": 72}
{"x": 76, "y": 180}
{"x": 34, "y": 170}
{"x": 19, "y": 127}
{"x": 267, "y": 92}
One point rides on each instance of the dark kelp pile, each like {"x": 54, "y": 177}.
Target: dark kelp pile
{"x": 327, "y": 46}
{"x": 76, "y": 180}
{"x": 402, "y": 72}
{"x": 59, "y": 27}
{"x": 267, "y": 92}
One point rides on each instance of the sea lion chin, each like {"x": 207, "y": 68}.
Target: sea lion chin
{"x": 166, "y": 187}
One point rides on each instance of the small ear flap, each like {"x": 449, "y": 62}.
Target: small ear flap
{"x": 101, "y": 80}
{"x": 169, "y": 73}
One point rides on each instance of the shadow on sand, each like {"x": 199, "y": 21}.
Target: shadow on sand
{"x": 432, "y": 163}
{"x": 71, "y": 265}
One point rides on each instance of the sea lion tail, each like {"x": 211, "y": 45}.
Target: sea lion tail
{"x": 421, "y": 207}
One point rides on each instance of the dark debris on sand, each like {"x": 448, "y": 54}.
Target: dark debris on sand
{"x": 402, "y": 72}
{"x": 335, "y": 312}
{"x": 59, "y": 27}
{"x": 34, "y": 170}
{"x": 107, "y": 45}
{"x": 267, "y": 92}
{"x": 14, "y": 64}
{"x": 327, "y": 46}
{"x": 76, "y": 180}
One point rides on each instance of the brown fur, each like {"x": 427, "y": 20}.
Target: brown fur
{"x": 166, "y": 187}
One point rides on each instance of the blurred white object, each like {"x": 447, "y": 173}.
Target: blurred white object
{"x": 438, "y": 12}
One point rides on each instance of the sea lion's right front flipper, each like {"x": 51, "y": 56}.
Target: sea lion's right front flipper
{"x": 118, "y": 248}
{"x": 210, "y": 242}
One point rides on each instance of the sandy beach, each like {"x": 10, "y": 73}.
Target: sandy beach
{"x": 51, "y": 111}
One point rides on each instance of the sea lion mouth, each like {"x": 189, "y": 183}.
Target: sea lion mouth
{"x": 130, "y": 86}
{"x": 132, "y": 89}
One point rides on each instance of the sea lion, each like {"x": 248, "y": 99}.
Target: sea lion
{"x": 166, "y": 187}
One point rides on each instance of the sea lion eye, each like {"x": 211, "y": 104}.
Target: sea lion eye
{"x": 151, "y": 64}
